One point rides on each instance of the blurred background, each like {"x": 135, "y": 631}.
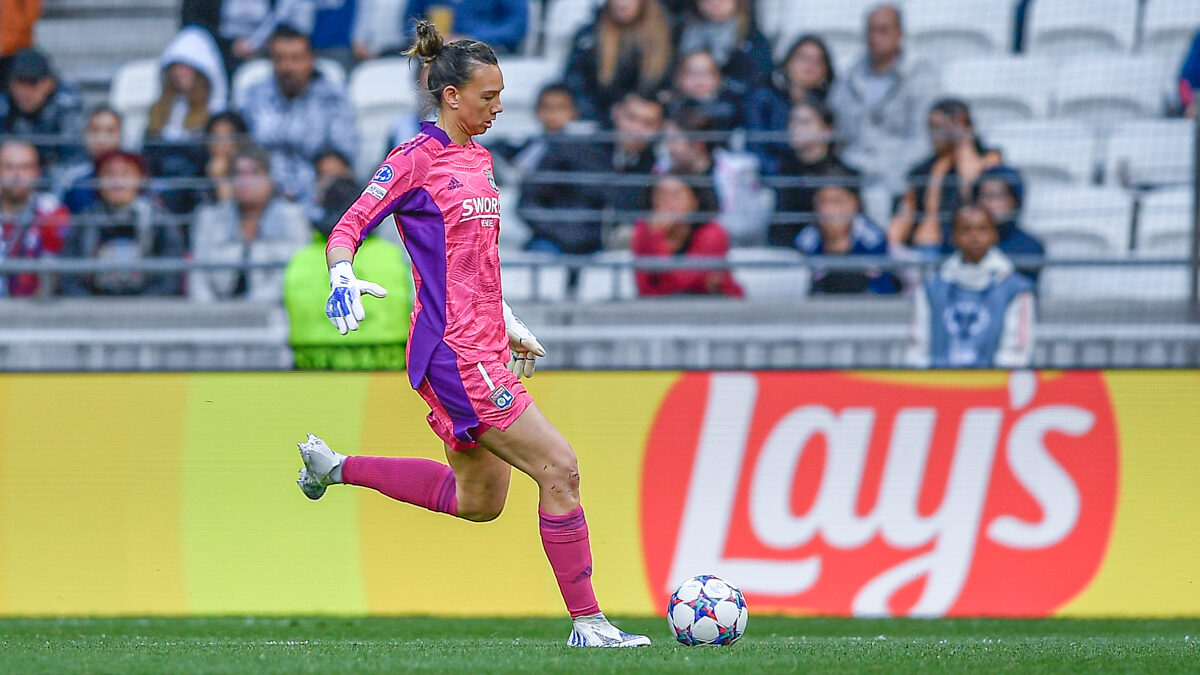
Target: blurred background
{"x": 685, "y": 183}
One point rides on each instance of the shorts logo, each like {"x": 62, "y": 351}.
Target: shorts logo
{"x": 383, "y": 175}
{"x": 502, "y": 397}
{"x": 487, "y": 173}
{"x": 375, "y": 191}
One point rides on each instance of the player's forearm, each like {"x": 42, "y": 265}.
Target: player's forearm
{"x": 338, "y": 254}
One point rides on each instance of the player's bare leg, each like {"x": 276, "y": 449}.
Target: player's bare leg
{"x": 535, "y": 447}
{"x": 481, "y": 481}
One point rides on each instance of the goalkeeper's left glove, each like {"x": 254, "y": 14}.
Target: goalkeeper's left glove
{"x": 522, "y": 344}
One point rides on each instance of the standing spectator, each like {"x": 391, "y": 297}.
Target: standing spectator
{"x": 676, "y": 227}
{"x": 242, "y": 27}
{"x": 881, "y": 105}
{"x": 806, "y": 72}
{"x": 225, "y": 134}
{"x": 374, "y": 32}
{"x": 627, "y": 49}
{"x": 500, "y": 23}
{"x": 122, "y": 226}
{"x": 32, "y": 224}
{"x": 975, "y": 312}
{"x": 1189, "y": 79}
{"x": 17, "y": 19}
{"x": 77, "y": 182}
{"x": 842, "y": 229}
{"x": 943, "y": 182}
{"x": 36, "y": 103}
{"x": 194, "y": 87}
{"x": 297, "y": 113}
{"x": 255, "y": 226}
{"x": 999, "y": 191}
{"x": 811, "y": 158}
{"x": 699, "y": 84}
{"x": 378, "y": 344}
{"x": 725, "y": 29}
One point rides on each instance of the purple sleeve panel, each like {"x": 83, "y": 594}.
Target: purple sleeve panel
{"x": 423, "y": 228}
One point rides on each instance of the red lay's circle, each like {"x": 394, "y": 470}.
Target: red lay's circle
{"x": 840, "y": 494}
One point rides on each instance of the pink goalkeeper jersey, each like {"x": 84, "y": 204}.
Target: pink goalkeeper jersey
{"x": 447, "y": 209}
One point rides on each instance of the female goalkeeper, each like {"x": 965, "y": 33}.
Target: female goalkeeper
{"x": 465, "y": 349}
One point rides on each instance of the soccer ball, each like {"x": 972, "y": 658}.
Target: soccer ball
{"x": 707, "y": 610}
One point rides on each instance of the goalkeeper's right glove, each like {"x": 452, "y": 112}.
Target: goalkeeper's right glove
{"x": 344, "y": 307}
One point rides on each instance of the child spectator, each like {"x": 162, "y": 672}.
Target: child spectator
{"x": 676, "y": 227}
{"x": 555, "y": 111}
{"x": 32, "y": 224}
{"x": 975, "y": 312}
{"x": 806, "y": 72}
{"x": 726, "y": 30}
{"x": 122, "y": 226}
{"x": 77, "y": 182}
{"x": 500, "y": 23}
{"x": 627, "y": 49}
{"x": 37, "y": 103}
{"x": 999, "y": 191}
{"x": 842, "y": 229}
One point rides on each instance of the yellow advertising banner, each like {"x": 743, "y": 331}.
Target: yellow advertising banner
{"x": 837, "y": 493}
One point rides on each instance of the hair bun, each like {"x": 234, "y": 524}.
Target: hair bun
{"x": 429, "y": 42}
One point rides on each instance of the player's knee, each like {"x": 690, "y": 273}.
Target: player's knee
{"x": 481, "y": 510}
{"x": 561, "y": 471}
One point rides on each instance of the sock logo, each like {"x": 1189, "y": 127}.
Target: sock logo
{"x": 587, "y": 572}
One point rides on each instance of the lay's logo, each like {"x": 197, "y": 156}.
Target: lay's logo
{"x": 852, "y": 494}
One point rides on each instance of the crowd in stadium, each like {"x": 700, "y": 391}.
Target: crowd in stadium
{"x": 672, "y": 131}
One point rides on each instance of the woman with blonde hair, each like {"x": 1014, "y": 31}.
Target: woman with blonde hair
{"x": 627, "y": 48}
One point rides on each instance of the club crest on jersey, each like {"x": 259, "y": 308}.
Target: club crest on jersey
{"x": 383, "y": 175}
{"x": 502, "y": 397}
{"x": 487, "y": 173}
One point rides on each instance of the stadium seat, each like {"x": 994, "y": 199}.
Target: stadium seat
{"x": 532, "y": 277}
{"x": 1151, "y": 153}
{"x": 135, "y": 88}
{"x": 770, "y": 273}
{"x": 533, "y": 32}
{"x": 564, "y": 18}
{"x": 1165, "y": 222}
{"x": 1068, "y": 28}
{"x": 1082, "y": 223}
{"x": 606, "y": 282}
{"x": 251, "y": 72}
{"x": 1046, "y": 151}
{"x": 1002, "y": 88}
{"x": 1168, "y": 27}
{"x": 842, "y": 25}
{"x": 947, "y": 30}
{"x": 381, "y": 91}
{"x": 524, "y": 77}
{"x": 1107, "y": 90}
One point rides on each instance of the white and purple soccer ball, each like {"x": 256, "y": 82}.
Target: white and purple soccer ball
{"x": 707, "y": 610}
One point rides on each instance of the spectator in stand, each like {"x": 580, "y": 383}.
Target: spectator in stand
{"x": 374, "y": 32}
{"x": 329, "y": 166}
{"x": 242, "y": 27}
{"x": 333, "y": 25}
{"x": 555, "y": 111}
{"x": 256, "y": 226}
{"x": 1189, "y": 79}
{"x": 842, "y": 229}
{"x": 881, "y": 104}
{"x": 628, "y": 48}
{"x": 77, "y": 182}
{"x": 999, "y": 191}
{"x": 123, "y": 226}
{"x": 32, "y": 223}
{"x": 811, "y": 159}
{"x": 725, "y": 29}
{"x": 225, "y": 134}
{"x": 37, "y": 103}
{"x": 297, "y": 113}
{"x": 378, "y": 344}
{"x": 500, "y": 23}
{"x": 943, "y": 182}
{"x": 976, "y": 312}
{"x": 806, "y": 72}
{"x": 17, "y": 19}
{"x": 676, "y": 227}
{"x": 194, "y": 87}
{"x": 638, "y": 123}
{"x": 698, "y": 84}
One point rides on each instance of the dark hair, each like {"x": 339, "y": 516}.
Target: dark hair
{"x": 341, "y": 193}
{"x": 973, "y": 207}
{"x": 103, "y": 109}
{"x": 953, "y": 108}
{"x": 120, "y": 155}
{"x": 328, "y": 151}
{"x": 1010, "y": 177}
{"x": 842, "y": 177}
{"x": 701, "y": 188}
{"x": 555, "y": 88}
{"x": 819, "y": 106}
{"x": 287, "y": 32}
{"x": 450, "y": 65}
{"x": 234, "y": 119}
{"x": 693, "y": 118}
{"x": 822, "y": 89}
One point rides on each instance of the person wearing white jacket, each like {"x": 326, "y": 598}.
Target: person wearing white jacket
{"x": 977, "y": 311}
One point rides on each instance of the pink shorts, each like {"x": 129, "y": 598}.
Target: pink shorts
{"x": 467, "y": 398}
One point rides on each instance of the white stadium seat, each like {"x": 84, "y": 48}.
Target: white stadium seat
{"x": 524, "y": 77}
{"x": 381, "y": 90}
{"x": 524, "y": 281}
{"x": 1168, "y": 27}
{"x": 1107, "y": 90}
{"x": 1151, "y": 153}
{"x": 842, "y": 25}
{"x": 1083, "y": 223}
{"x": 602, "y": 283}
{"x": 770, "y": 273}
{"x": 1165, "y": 222}
{"x": 251, "y": 72}
{"x": 564, "y": 18}
{"x": 1067, "y": 28}
{"x": 1002, "y": 88}
{"x": 135, "y": 88}
{"x": 1046, "y": 151}
{"x": 947, "y": 30}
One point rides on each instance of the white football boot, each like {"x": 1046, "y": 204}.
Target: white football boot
{"x": 319, "y": 463}
{"x": 596, "y": 631}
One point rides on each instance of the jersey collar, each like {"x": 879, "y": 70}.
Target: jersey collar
{"x": 433, "y": 131}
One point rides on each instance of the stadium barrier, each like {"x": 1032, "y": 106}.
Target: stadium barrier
{"x": 836, "y": 493}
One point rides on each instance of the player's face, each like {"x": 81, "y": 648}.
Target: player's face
{"x": 479, "y": 99}
{"x": 974, "y": 234}
{"x": 18, "y": 172}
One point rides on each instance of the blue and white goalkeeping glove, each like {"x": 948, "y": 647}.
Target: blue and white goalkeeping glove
{"x": 522, "y": 344}
{"x": 344, "y": 307}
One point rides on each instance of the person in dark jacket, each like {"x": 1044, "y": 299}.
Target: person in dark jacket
{"x": 725, "y": 29}
{"x": 999, "y": 191}
{"x": 38, "y": 103}
{"x": 806, "y": 72}
{"x": 810, "y": 159}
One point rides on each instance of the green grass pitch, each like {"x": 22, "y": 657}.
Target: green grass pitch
{"x": 772, "y": 644}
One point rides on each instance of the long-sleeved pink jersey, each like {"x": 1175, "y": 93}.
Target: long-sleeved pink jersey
{"x": 447, "y": 209}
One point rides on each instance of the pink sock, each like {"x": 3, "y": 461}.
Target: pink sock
{"x": 423, "y": 482}
{"x": 565, "y": 539}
